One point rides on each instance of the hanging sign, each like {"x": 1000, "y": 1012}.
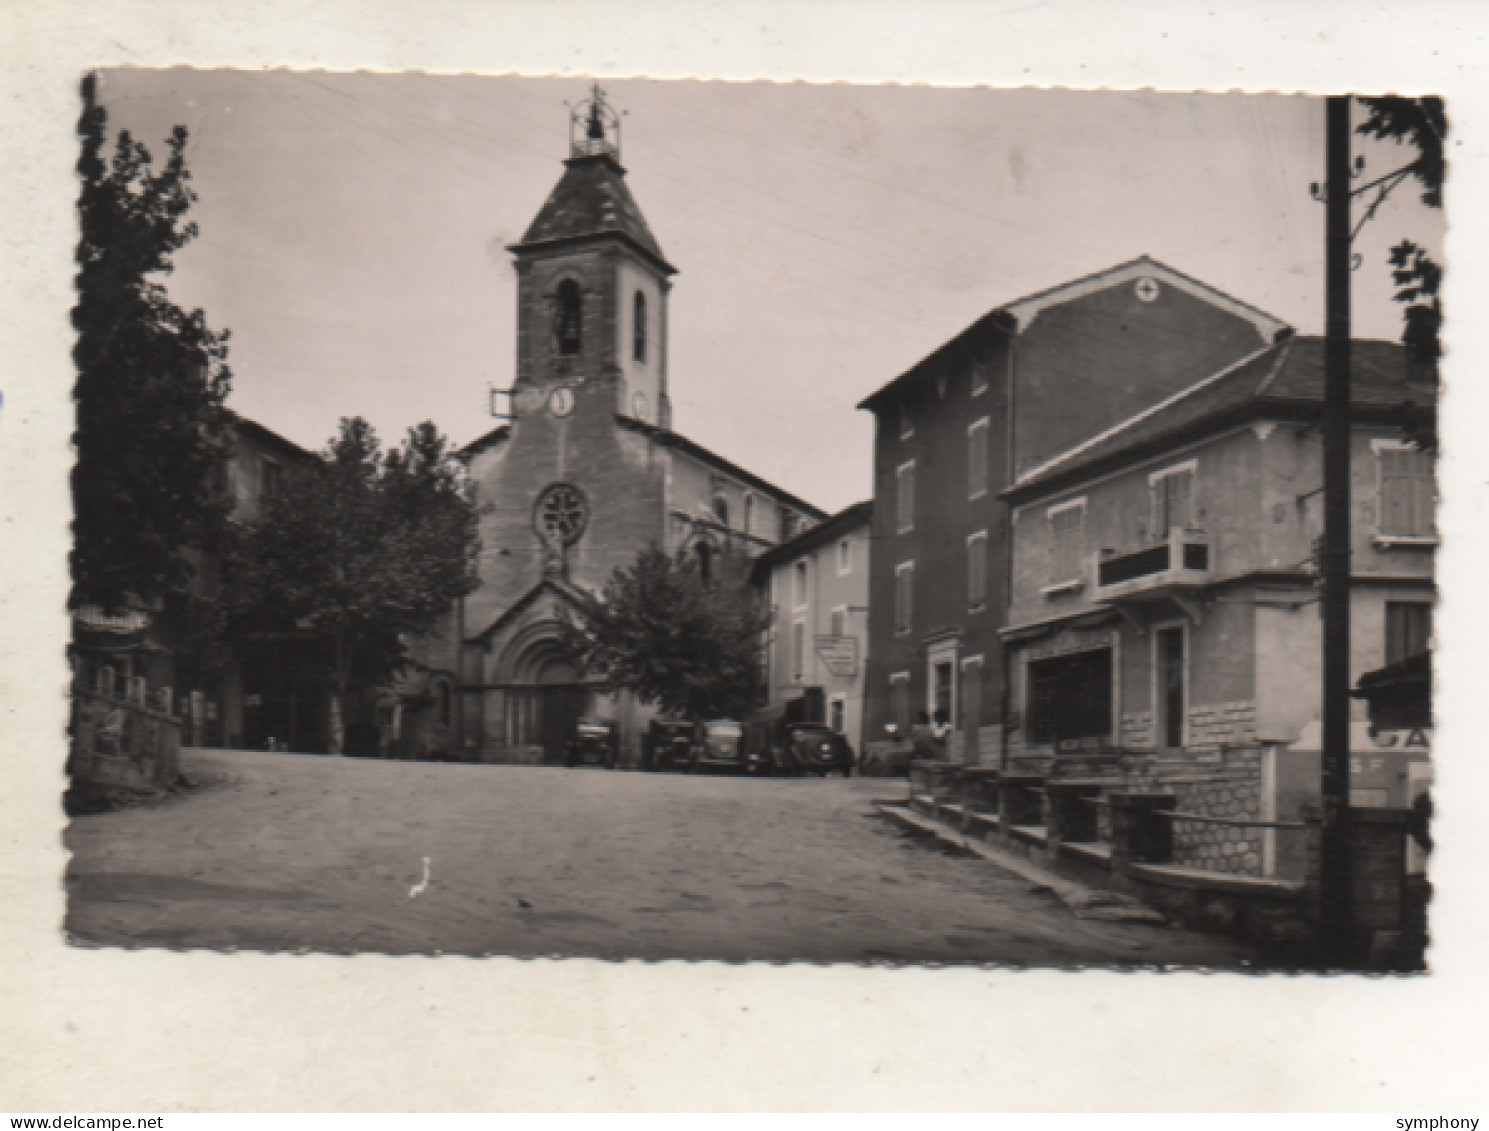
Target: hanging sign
{"x": 839, "y": 653}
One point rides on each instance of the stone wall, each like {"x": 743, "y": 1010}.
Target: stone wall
{"x": 119, "y": 741}
{"x": 1216, "y": 725}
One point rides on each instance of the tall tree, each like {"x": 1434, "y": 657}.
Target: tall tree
{"x": 363, "y": 551}
{"x": 151, "y": 382}
{"x": 659, "y": 630}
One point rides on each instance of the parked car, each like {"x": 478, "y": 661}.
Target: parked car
{"x": 814, "y": 748}
{"x": 718, "y": 746}
{"x": 667, "y": 745}
{"x": 594, "y": 740}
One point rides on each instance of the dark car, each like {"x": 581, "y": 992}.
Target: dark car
{"x": 667, "y": 745}
{"x": 718, "y": 747}
{"x": 594, "y": 740}
{"x": 814, "y": 748}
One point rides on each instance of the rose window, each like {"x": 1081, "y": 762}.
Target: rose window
{"x": 561, "y": 514}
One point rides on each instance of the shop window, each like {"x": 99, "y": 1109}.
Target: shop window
{"x": 1070, "y": 697}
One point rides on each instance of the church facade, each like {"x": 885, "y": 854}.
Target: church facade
{"x": 584, "y": 474}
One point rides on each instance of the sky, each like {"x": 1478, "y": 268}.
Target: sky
{"x": 353, "y": 230}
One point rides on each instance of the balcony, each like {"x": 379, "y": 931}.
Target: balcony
{"x": 1178, "y": 563}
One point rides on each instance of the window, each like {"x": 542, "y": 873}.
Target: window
{"x": 788, "y": 524}
{"x": 1408, "y": 629}
{"x": 979, "y": 373}
{"x": 977, "y": 570}
{"x": 1173, "y": 499}
{"x": 799, "y": 584}
{"x": 1408, "y": 492}
{"x": 1067, "y": 542}
{"x": 977, "y": 459}
{"x": 1071, "y": 697}
{"x": 904, "y": 596}
{"x": 568, "y": 318}
{"x": 638, "y": 329}
{"x": 271, "y": 479}
{"x": 845, "y": 557}
{"x": 836, "y": 708}
{"x": 907, "y": 422}
{"x": 749, "y": 513}
{"x": 721, "y": 510}
{"x": 798, "y": 650}
{"x": 905, "y": 497}
{"x": 899, "y": 701}
{"x": 837, "y": 623}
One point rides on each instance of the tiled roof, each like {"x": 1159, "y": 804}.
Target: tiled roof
{"x": 1286, "y": 379}
{"x": 849, "y": 518}
{"x": 591, "y": 199}
{"x": 1016, "y": 314}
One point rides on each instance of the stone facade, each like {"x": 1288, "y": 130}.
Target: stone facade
{"x": 584, "y": 475}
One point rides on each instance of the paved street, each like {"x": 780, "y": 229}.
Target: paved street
{"x": 283, "y": 852}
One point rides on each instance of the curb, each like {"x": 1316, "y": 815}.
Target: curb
{"x": 1083, "y": 902}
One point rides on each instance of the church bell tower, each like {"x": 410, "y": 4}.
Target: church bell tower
{"x": 592, "y": 284}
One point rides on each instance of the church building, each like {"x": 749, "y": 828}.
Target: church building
{"x": 584, "y": 474}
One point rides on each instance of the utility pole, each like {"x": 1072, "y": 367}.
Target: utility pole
{"x": 1334, "y": 783}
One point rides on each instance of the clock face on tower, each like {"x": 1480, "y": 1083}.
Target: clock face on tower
{"x": 561, "y": 403}
{"x": 638, "y": 406}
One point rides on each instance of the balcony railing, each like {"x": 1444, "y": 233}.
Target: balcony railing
{"x": 1182, "y": 559}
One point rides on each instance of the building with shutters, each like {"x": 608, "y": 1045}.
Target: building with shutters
{"x": 584, "y": 474}
{"x": 817, "y": 587}
{"x": 1025, "y": 383}
{"x": 1164, "y": 590}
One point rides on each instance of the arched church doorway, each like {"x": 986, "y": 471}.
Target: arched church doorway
{"x": 545, "y": 699}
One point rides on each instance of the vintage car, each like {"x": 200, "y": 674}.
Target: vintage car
{"x": 718, "y": 747}
{"x": 667, "y": 745}
{"x": 813, "y": 748}
{"x": 594, "y": 740}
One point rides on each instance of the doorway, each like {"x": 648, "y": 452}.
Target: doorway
{"x": 1169, "y": 643}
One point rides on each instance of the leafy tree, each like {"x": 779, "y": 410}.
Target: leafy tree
{"x": 151, "y": 382}
{"x": 1421, "y": 123}
{"x": 660, "y": 631}
{"x": 363, "y": 550}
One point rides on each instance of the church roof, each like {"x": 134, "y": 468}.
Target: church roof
{"x": 591, "y": 199}
{"x": 669, "y": 439}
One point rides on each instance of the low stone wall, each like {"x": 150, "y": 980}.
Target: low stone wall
{"x": 121, "y": 742}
